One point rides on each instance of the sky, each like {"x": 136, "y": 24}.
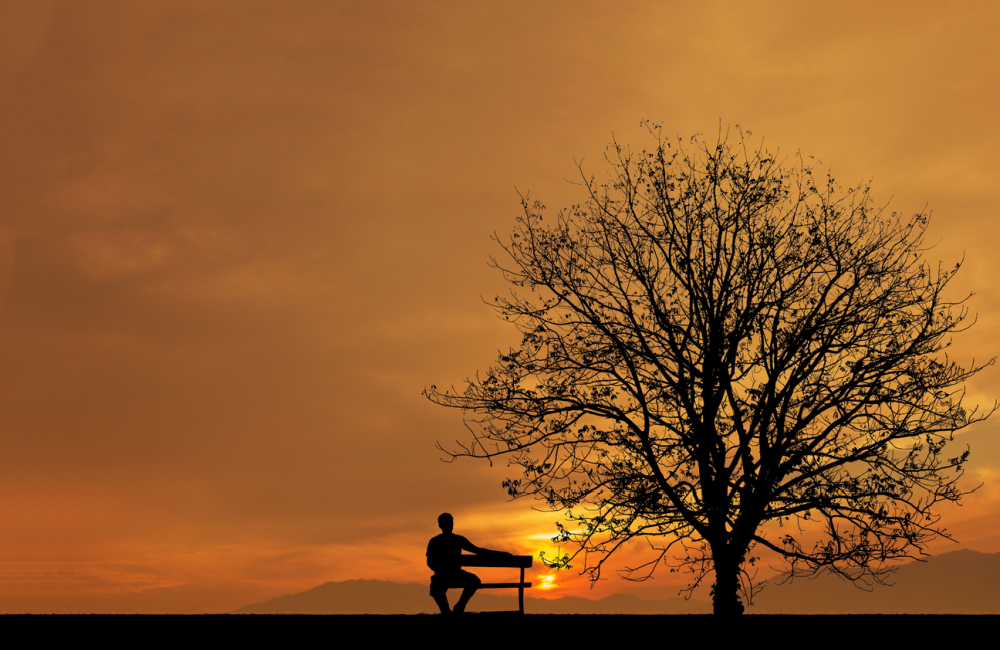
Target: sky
{"x": 239, "y": 238}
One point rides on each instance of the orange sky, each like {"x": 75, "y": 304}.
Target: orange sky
{"x": 237, "y": 239}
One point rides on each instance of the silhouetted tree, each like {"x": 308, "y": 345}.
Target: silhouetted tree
{"x": 715, "y": 344}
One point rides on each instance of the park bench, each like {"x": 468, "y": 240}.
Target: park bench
{"x": 493, "y": 561}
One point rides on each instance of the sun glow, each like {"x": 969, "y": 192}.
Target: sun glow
{"x": 546, "y": 583}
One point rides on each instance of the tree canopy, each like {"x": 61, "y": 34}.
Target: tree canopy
{"x": 715, "y": 342}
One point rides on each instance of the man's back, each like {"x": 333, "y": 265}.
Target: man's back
{"x": 444, "y": 552}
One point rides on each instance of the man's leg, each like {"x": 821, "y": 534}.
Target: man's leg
{"x": 438, "y": 591}
{"x": 471, "y": 583}
{"x": 442, "y": 602}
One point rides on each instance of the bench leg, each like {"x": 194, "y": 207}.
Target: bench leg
{"x": 520, "y": 593}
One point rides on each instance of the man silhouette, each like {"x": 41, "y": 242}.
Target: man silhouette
{"x": 444, "y": 554}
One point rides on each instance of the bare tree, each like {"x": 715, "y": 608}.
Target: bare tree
{"x": 715, "y": 344}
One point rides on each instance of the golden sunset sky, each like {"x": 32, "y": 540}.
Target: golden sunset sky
{"x": 238, "y": 239}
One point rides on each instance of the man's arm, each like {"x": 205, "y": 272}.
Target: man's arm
{"x": 472, "y": 548}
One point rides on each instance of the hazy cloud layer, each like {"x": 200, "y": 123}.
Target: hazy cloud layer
{"x": 237, "y": 239}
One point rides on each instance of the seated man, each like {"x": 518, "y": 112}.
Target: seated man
{"x": 444, "y": 553}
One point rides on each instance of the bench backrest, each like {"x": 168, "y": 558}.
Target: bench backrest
{"x": 523, "y": 561}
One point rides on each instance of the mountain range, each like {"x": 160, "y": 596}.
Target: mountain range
{"x": 960, "y": 582}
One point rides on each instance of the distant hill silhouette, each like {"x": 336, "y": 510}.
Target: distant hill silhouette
{"x": 960, "y": 582}
{"x": 350, "y": 597}
{"x": 382, "y": 597}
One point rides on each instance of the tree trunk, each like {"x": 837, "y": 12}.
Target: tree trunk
{"x": 725, "y": 599}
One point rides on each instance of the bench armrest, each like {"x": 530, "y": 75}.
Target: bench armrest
{"x": 490, "y": 560}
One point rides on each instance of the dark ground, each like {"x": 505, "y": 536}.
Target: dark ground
{"x": 500, "y": 630}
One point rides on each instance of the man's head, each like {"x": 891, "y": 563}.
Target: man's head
{"x": 446, "y": 522}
